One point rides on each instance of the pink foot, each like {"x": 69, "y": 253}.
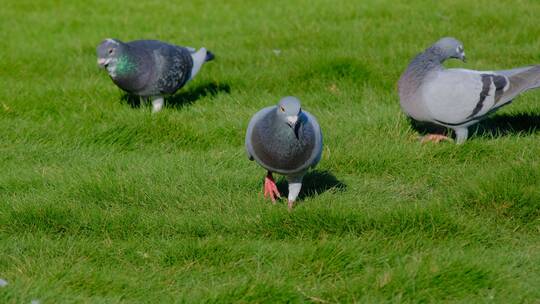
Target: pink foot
{"x": 436, "y": 138}
{"x": 270, "y": 188}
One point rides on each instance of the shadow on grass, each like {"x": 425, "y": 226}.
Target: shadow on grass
{"x": 424, "y": 128}
{"x": 493, "y": 126}
{"x": 314, "y": 183}
{"x": 183, "y": 98}
{"x": 505, "y": 124}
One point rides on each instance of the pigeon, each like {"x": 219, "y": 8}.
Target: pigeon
{"x": 150, "y": 68}
{"x": 458, "y": 98}
{"x": 286, "y": 140}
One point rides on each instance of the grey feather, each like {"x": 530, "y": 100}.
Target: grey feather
{"x": 286, "y": 140}
{"x": 458, "y": 98}
{"x": 147, "y": 67}
{"x": 522, "y": 80}
{"x": 274, "y": 146}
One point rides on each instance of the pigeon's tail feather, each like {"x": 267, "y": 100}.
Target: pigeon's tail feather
{"x": 209, "y": 56}
{"x": 512, "y": 72}
{"x": 521, "y": 80}
{"x": 199, "y": 58}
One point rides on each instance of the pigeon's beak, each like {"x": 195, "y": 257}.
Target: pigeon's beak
{"x": 463, "y": 58}
{"x": 102, "y": 62}
{"x": 292, "y": 121}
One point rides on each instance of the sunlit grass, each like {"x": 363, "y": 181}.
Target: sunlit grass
{"x": 103, "y": 202}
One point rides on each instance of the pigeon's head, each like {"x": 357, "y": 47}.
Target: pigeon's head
{"x": 108, "y": 52}
{"x": 451, "y": 48}
{"x": 289, "y": 110}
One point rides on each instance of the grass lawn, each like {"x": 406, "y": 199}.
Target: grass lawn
{"x": 102, "y": 202}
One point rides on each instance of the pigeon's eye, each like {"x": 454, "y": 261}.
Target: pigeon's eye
{"x": 110, "y": 51}
{"x": 282, "y": 109}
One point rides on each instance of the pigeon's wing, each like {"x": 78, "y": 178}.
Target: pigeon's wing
{"x": 254, "y": 120}
{"x": 317, "y": 152}
{"x": 458, "y": 96}
{"x": 174, "y": 66}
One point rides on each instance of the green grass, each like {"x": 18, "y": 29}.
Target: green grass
{"x": 101, "y": 202}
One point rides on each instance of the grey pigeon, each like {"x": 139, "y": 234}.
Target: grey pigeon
{"x": 286, "y": 140}
{"x": 458, "y": 98}
{"x": 150, "y": 68}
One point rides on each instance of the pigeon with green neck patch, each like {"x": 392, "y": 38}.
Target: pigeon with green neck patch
{"x": 150, "y": 69}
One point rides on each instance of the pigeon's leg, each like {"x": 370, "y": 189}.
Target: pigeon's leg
{"x": 295, "y": 184}
{"x": 270, "y": 188}
{"x": 436, "y": 138}
{"x": 157, "y": 104}
{"x": 461, "y": 134}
